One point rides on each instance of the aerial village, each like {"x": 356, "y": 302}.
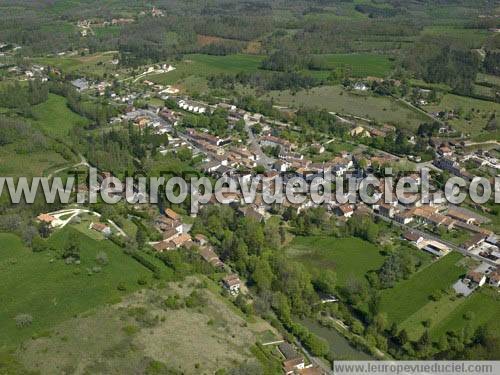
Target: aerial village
{"x": 254, "y": 143}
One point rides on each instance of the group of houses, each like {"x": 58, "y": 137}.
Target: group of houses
{"x": 170, "y": 226}
{"x": 29, "y": 73}
{"x": 293, "y": 363}
{"x": 483, "y": 274}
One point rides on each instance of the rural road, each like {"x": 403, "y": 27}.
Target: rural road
{"x": 83, "y": 162}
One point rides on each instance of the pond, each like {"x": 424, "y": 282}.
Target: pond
{"x": 340, "y": 348}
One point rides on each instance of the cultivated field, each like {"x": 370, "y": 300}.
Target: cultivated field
{"x": 205, "y": 65}
{"x": 359, "y": 64}
{"x": 346, "y": 256}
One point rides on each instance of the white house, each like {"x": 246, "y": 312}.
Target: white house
{"x": 360, "y": 86}
{"x": 232, "y": 283}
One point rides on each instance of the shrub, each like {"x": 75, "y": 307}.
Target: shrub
{"x": 102, "y": 258}
{"x": 23, "y": 320}
{"x": 469, "y": 315}
{"x": 195, "y": 299}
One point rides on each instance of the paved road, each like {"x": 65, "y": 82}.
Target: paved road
{"x": 254, "y": 143}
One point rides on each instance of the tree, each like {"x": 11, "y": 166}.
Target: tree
{"x": 325, "y": 281}
{"x": 357, "y": 327}
{"x": 38, "y": 244}
{"x": 262, "y": 275}
{"x": 403, "y": 337}
{"x": 72, "y": 247}
{"x": 492, "y": 123}
{"x": 140, "y": 238}
{"x": 44, "y": 229}
{"x": 29, "y": 234}
{"x": 381, "y": 321}
{"x": 393, "y": 331}
{"x": 424, "y": 343}
{"x": 318, "y": 346}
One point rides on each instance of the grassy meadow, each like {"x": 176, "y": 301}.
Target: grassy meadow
{"x": 485, "y": 307}
{"x": 346, "y": 256}
{"x": 55, "y": 119}
{"x": 36, "y": 163}
{"x": 408, "y": 296}
{"x": 142, "y": 334}
{"x": 51, "y": 291}
{"x": 336, "y": 99}
{"x": 94, "y": 65}
{"x": 474, "y": 113}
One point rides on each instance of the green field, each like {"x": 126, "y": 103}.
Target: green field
{"x": 336, "y": 99}
{"x": 359, "y": 64}
{"x": 485, "y": 305}
{"x": 346, "y": 256}
{"x": 473, "y": 38}
{"x": 55, "y": 118}
{"x": 473, "y": 113}
{"x": 94, "y": 65}
{"x": 488, "y": 79}
{"x": 409, "y": 296}
{"x": 36, "y": 163}
{"x": 52, "y": 291}
{"x": 205, "y": 65}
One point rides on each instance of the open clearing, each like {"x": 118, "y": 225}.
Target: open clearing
{"x": 408, "y": 296}
{"x": 336, "y": 99}
{"x": 142, "y": 334}
{"x": 55, "y": 118}
{"x": 52, "y": 291}
{"x": 346, "y": 256}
